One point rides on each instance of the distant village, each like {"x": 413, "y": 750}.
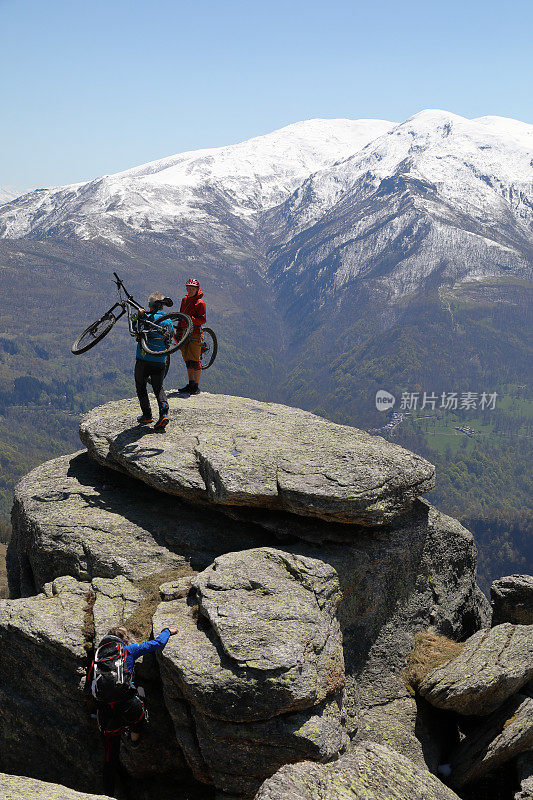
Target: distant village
{"x": 399, "y": 416}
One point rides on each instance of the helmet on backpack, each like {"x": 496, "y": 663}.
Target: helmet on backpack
{"x": 111, "y": 680}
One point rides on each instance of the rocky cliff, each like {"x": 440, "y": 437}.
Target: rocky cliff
{"x": 298, "y": 561}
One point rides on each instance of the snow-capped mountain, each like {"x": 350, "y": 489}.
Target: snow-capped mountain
{"x": 201, "y": 186}
{"x": 435, "y": 194}
{"x": 331, "y": 201}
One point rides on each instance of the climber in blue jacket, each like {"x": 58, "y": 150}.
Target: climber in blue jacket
{"x": 119, "y": 706}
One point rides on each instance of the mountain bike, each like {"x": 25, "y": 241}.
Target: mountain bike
{"x": 139, "y": 326}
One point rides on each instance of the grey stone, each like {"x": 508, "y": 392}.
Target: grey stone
{"x": 417, "y": 571}
{"x": 272, "y": 610}
{"x": 173, "y": 590}
{"x": 240, "y": 452}
{"x": 241, "y": 755}
{"x": 512, "y": 600}
{"x": 498, "y": 738}
{"x": 494, "y": 664}
{"x": 16, "y": 787}
{"x": 384, "y": 605}
{"x": 255, "y": 676}
{"x": 44, "y": 728}
{"x": 410, "y": 726}
{"x": 370, "y": 771}
{"x": 73, "y": 517}
{"x": 116, "y": 600}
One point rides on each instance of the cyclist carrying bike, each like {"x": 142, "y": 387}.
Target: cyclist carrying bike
{"x": 148, "y": 366}
{"x": 194, "y": 306}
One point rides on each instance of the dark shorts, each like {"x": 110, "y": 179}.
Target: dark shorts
{"x": 114, "y": 717}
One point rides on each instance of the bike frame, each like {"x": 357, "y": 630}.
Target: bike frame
{"x": 126, "y": 306}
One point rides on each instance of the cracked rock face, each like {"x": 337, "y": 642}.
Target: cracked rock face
{"x": 501, "y": 736}
{"x": 255, "y": 677}
{"x": 512, "y": 600}
{"x": 74, "y": 516}
{"x": 493, "y": 665}
{"x": 370, "y": 771}
{"x": 42, "y": 669}
{"x": 524, "y": 767}
{"x": 239, "y": 452}
{"x": 71, "y": 516}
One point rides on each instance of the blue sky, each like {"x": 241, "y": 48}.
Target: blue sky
{"x": 94, "y": 87}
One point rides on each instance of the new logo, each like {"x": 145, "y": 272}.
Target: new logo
{"x": 384, "y": 400}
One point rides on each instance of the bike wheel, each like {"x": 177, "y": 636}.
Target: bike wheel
{"x": 209, "y": 348}
{"x": 93, "y": 334}
{"x": 175, "y": 317}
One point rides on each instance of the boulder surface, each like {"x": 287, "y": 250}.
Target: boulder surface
{"x": 493, "y": 665}
{"x": 512, "y": 600}
{"x": 73, "y": 517}
{"x": 258, "y": 679}
{"x": 254, "y": 679}
{"x": 370, "y": 771}
{"x": 240, "y": 452}
{"x": 46, "y": 727}
{"x": 524, "y": 765}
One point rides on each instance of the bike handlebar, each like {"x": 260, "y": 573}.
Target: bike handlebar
{"x": 120, "y": 285}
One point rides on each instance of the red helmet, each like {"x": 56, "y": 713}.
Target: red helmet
{"x": 192, "y": 282}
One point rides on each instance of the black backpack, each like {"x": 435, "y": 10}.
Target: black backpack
{"x": 111, "y": 680}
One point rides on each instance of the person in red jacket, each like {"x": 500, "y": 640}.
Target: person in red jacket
{"x": 194, "y": 306}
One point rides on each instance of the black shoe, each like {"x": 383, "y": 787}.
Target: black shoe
{"x": 161, "y": 423}
{"x": 185, "y": 389}
{"x": 144, "y": 419}
{"x": 195, "y": 389}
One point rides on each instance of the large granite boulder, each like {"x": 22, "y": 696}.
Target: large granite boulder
{"x": 401, "y": 565}
{"x": 46, "y": 727}
{"x": 73, "y": 517}
{"x": 493, "y": 664}
{"x": 240, "y": 452}
{"x": 370, "y": 771}
{"x": 412, "y": 727}
{"x": 16, "y": 787}
{"x": 255, "y": 677}
{"x": 498, "y": 738}
{"x": 512, "y": 600}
